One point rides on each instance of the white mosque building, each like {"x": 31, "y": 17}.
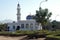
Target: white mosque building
{"x": 28, "y": 24}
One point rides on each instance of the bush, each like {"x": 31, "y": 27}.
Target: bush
{"x": 52, "y": 36}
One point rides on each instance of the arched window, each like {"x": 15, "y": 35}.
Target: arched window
{"x": 22, "y": 25}
{"x": 31, "y": 26}
{"x": 18, "y": 28}
{"x": 27, "y": 25}
{"x": 13, "y": 27}
{"x": 8, "y": 28}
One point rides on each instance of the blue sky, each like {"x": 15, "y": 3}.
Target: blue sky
{"x": 8, "y": 8}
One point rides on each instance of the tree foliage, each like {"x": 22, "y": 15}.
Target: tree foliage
{"x": 42, "y": 16}
{"x": 3, "y": 27}
{"x": 55, "y": 24}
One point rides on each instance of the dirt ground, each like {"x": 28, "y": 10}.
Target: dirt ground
{"x": 11, "y": 38}
{"x": 17, "y": 38}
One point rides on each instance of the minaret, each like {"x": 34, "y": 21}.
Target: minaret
{"x": 18, "y": 13}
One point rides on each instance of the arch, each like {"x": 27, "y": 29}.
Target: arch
{"x": 22, "y": 25}
{"x": 18, "y": 28}
{"x": 31, "y": 26}
{"x": 8, "y": 28}
{"x": 27, "y": 25}
{"x": 13, "y": 27}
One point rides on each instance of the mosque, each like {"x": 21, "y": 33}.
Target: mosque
{"x": 28, "y": 24}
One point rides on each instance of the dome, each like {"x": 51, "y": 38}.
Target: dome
{"x": 29, "y": 17}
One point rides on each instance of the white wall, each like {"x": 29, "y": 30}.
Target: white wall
{"x": 35, "y": 27}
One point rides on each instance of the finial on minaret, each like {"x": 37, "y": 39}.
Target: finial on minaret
{"x": 18, "y": 1}
{"x": 18, "y": 4}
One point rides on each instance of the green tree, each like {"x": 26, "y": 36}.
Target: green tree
{"x": 55, "y": 24}
{"x": 3, "y": 27}
{"x": 42, "y": 16}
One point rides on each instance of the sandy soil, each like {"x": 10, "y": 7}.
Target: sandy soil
{"x": 11, "y": 38}
{"x": 17, "y": 38}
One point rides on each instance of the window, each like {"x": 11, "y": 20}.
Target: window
{"x": 27, "y": 25}
{"x": 18, "y": 27}
{"x": 31, "y": 26}
{"x": 22, "y": 25}
{"x": 8, "y": 28}
{"x": 13, "y": 27}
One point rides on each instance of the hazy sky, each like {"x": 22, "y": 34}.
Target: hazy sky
{"x": 8, "y": 8}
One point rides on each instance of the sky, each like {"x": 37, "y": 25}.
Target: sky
{"x": 8, "y": 8}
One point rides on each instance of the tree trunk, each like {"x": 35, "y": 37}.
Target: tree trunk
{"x": 40, "y": 26}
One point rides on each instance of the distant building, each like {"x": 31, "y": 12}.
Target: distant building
{"x": 28, "y": 24}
